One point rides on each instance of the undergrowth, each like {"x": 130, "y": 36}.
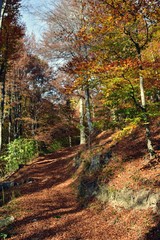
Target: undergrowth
{"x": 20, "y": 151}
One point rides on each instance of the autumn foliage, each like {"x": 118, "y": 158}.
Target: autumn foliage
{"x": 96, "y": 67}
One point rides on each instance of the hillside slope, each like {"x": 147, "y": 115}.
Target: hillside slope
{"x": 46, "y": 205}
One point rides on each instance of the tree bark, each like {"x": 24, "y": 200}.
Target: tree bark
{"x": 10, "y": 118}
{"x": 88, "y": 114}
{"x": 88, "y": 110}
{"x": 70, "y": 141}
{"x": 1, "y": 128}
{"x": 144, "y": 109}
{"x": 146, "y": 120}
{"x": 2, "y": 76}
{"x": 82, "y": 127}
{"x": 2, "y": 10}
{"x": 2, "y": 96}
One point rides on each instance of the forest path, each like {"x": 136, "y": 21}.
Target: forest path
{"x": 47, "y": 207}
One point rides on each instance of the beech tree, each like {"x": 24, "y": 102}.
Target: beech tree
{"x": 10, "y": 33}
{"x": 102, "y": 47}
{"x": 64, "y": 43}
{"x": 119, "y": 33}
{"x": 27, "y": 83}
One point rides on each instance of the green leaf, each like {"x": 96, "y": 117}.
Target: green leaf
{"x": 3, "y": 235}
{"x": 57, "y": 216}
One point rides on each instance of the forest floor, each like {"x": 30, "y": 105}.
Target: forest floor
{"x": 46, "y": 207}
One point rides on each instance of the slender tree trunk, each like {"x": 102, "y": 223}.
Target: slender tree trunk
{"x": 1, "y": 114}
{"x": 20, "y": 116}
{"x": 1, "y": 128}
{"x": 70, "y": 141}
{"x": 10, "y": 119}
{"x": 2, "y": 76}
{"x": 82, "y": 127}
{"x": 88, "y": 114}
{"x": 16, "y": 129}
{"x": 2, "y": 96}
{"x": 143, "y": 103}
{"x": 146, "y": 120}
{"x": 2, "y": 9}
{"x": 17, "y": 113}
{"x": 9, "y": 129}
{"x": 141, "y": 84}
{"x": 88, "y": 110}
{"x": 32, "y": 127}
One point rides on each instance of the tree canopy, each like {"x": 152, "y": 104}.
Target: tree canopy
{"x": 96, "y": 67}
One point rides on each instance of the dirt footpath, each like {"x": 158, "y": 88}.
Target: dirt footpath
{"x": 47, "y": 207}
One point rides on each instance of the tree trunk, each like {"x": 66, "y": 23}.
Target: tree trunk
{"x": 2, "y": 9}
{"x": 2, "y": 76}
{"x": 1, "y": 128}
{"x": 34, "y": 125}
{"x": 70, "y": 141}
{"x": 82, "y": 127}
{"x": 9, "y": 129}
{"x": 20, "y": 116}
{"x": 143, "y": 104}
{"x": 88, "y": 110}
{"x": 139, "y": 47}
{"x": 146, "y": 120}
{"x": 2, "y": 96}
{"x": 10, "y": 119}
{"x": 88, "y": 114}
{"x": 17, "y": 113}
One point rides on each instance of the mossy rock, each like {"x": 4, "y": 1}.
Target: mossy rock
{"x": 128, "y": 198}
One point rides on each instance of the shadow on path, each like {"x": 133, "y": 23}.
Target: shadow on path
{"x": 154, "y": 233}
{"x": 47, "y": 201}
{"x": 46, "y": 172}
